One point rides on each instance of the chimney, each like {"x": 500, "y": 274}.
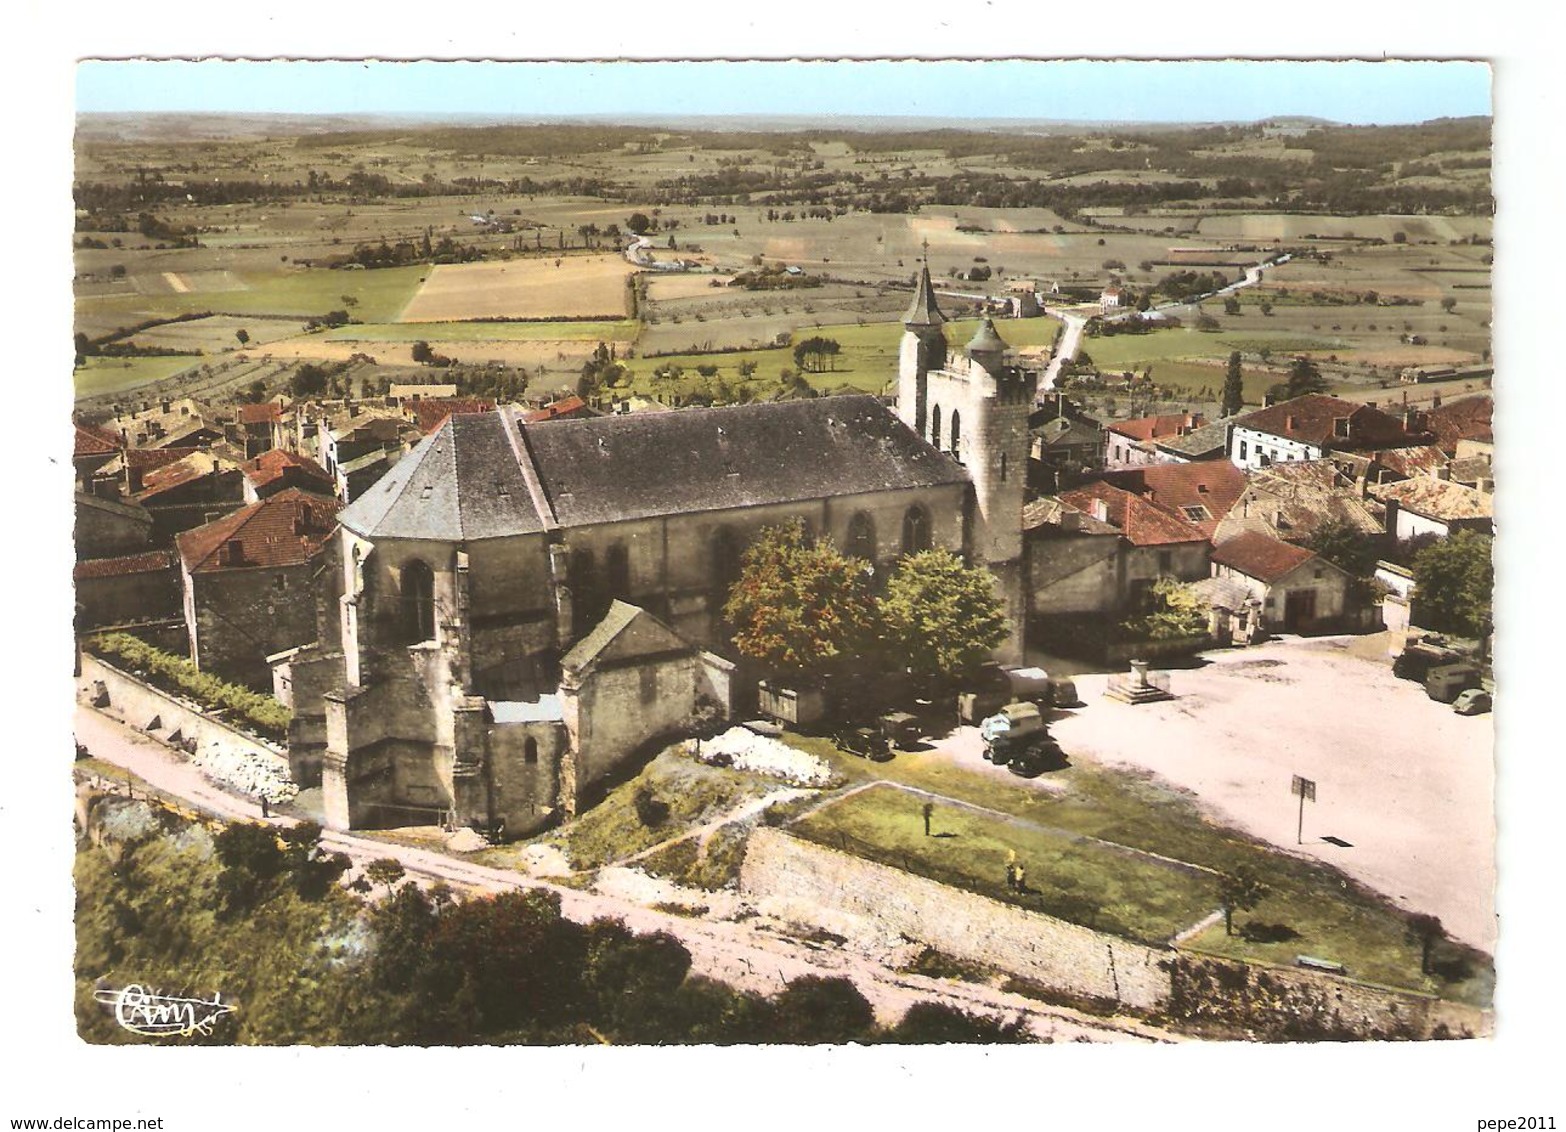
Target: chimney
{"x": 1435, "y": 401}
{"x": 1444, "y": 473}
{"x": 1291, "y": 422}
{"x": 166, "y": 404}
{"x": 233, "y": 552}
{"x": 301, "y": 524}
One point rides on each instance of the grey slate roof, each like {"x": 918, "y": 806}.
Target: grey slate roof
{"x": 1210, "y": 438}
{"x": 637, "y": 466}
{"x": 464, "y": 481}
{"x": 461, "y": 482}
{"x": 614, "y": 622}
{"x": 986, "y": 340}
{"x": 923, "y": 311}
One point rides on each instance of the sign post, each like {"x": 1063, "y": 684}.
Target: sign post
{"x": 1305, "y": 788}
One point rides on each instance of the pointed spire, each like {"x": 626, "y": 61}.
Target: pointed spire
{"x": 924, "y": 312}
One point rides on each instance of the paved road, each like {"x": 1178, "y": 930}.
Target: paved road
{"x": 743, "y": 955}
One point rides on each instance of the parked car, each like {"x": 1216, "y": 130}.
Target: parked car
{"x": 866, "y": 742}
{"x": 1475, "y": 701}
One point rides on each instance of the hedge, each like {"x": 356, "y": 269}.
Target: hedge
{"x": 178, "y": 675}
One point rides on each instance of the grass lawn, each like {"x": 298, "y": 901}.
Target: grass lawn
{"x": 435, "y": 332}
{"x": 1333, "y": 916}
{"x": 613, "y": 830}
{"x": 97, "y": 376}
{"x": 1101, "y": 887}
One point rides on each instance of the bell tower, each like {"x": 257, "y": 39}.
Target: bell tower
{"x": 923, "y": 349}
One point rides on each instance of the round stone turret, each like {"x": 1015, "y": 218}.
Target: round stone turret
{"x": 987, "y": 347}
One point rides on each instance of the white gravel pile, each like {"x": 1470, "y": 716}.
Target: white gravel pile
{"x": 760, "y": 754}
{"x": 466, "y": 840}
{"x": 546, "y": 861}
{"x": 249, "y": 772}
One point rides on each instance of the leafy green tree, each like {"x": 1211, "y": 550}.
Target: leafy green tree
{"x": 251, "y": 860}
{"x": 1240, "y": 891}
{"x": 800, "y": 607}
{"x": 629, "y": 979}
{"x": 243, "y": 335}
{"x": 638, "y": 222}
{"x": 385, "y": 870}
{"x": 817, "y": 1010}
{"x": 942, "y": 618}
{"x": 1233, "y": 387}
{"x": 1231, "y": 305}
{"x": 1304, "y": 378}
{"x": 309, "y": 380}
{"x": 1173, "y": 612}
{"x": 1454, "y": 580}
{"x": 935, "y": 1023}
{"x": 422, "y": 352}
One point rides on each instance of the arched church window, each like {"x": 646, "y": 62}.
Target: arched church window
{"x": 1003, "y": 467}
{"x": 916, "y": 530}
{"x": 956, "y": 430}
{"x": 530, "y": 751}
{"x": 861, "y": 537}
{"x": 935, "y": 426}
{"x": 418, "y": 596}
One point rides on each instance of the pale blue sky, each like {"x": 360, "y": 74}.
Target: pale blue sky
{"x": 1354, "y": 92}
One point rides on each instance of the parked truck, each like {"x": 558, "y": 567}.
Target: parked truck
{"x": 1017, "y": 738}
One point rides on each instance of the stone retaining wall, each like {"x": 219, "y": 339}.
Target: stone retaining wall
{"x": 787, "y": 875}
{"x": 212, "y": 740}
{"x": 794, "y": 879}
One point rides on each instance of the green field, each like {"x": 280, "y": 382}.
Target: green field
{"x": 623, "y": 330}
{"x": 379, "y": 296}
{"x": 868, "y": 360}
{"x": 1100, "y": 886}
{"x": 97, "y": 376}
{"x": 1330, "y": 915}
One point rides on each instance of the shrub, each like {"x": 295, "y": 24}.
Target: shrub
{"x": 178, "y": 675}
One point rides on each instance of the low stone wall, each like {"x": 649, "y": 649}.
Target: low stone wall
{"x": 212, "y": 741}
{"x": 787, "y": 875}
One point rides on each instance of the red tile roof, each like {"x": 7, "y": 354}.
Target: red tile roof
{"x": 1468, "y": 419}
{"x": 148, "y": 459}
{"x": 267, "y": 412}
{"x": 187, "y": 470}
{"x": 429, "y": 412}
{"x": 285, "y": 530}
{"x": 1261, "y": 556}
{"x": 1215, "y": 485}
{"x": 149, "y": 563}
{"x": 1419, "y": 459}
{"x": 566, "y": 407}
{"x": 1152, "y": 428}
{"x": 271, "y": 466}
{"x": 91, "y": 440}
{"x": 1143, "y": 523}
{"x": 1312, "y": 419}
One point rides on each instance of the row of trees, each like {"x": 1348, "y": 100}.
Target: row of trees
{"x": 808, "y": 612}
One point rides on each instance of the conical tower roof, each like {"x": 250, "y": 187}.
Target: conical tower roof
{"x": 924, "y": 312}
{"x": 986, "y": 340}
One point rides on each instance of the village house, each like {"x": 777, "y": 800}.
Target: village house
{"x": 248, "y": 583}
{"x": 427, "y": 413}
{"x": 1209, "y": 441}
{"x": 1130, "y": 443}
{"x": 1155, "y": 542}
{"x": 279, "y": 469}
{"x": 127, "y": 591}
{"x": 261, "y": 427}
{"x": 1310, "y": 427}
{"x": 192, "y": 490}
{"x": 108, "y": 528}
{"x": 1291, "y": 501}
{"x": 512, "y": 593}
{"x": 357, "y": 452}
{"x": 95, "y": 447}
{"x": 1200, "y": 493}
{"x": 1066, "y": 444}
{"x": 1431, "y": 505}
{"x": 1299, "y": 591}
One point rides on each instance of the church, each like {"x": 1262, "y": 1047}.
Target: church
{"x": 515, "y": 610}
